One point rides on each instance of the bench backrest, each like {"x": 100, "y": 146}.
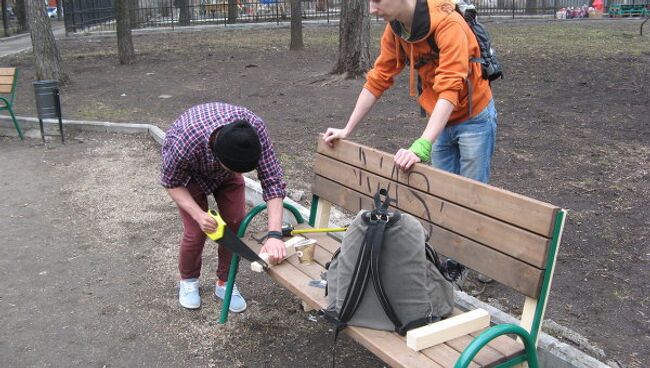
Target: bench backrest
{"x": 8, "y": 82}
{"x": 509, "y": 237}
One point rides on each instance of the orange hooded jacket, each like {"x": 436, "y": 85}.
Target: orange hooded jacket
{"x": 444, "y": 77}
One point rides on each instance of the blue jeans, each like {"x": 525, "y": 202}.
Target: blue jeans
{"x": 466, "y": 148}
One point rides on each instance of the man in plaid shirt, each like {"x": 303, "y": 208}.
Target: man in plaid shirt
{"x": 205, "y": 151}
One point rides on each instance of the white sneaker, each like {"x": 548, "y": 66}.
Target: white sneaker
{"x": 188, "y": 294}
{"x": 237, "y": 302}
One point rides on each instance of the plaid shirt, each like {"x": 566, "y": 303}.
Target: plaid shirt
{"x": 186, "y": 152}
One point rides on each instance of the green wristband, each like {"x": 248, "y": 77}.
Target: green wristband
{"x": 422, "y": 148}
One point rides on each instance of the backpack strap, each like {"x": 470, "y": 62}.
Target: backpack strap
{"x": 379, "y": 225}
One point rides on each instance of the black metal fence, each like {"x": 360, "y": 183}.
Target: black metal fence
{"x": 99, "y": 15}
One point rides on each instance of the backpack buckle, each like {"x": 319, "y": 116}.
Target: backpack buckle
{"x": 379, "y": 217}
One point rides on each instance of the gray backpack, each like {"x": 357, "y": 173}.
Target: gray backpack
{"x": 386, "y": 249}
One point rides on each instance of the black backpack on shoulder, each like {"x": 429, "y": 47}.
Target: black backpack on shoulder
{"x": 490, "y": 66}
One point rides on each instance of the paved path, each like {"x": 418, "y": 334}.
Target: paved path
{"x": 23, "y": 42}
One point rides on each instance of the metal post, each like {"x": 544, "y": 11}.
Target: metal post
{"x": 57, "y": 98}
{"x": 513, "y": 9}
{"x": 234, "y": 264}
{"x": 171, "y": 8}
{"x": 40, "y": 122}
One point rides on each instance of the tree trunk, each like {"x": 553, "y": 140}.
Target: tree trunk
{"x": 124, "y": 40}
{"x": 183, "y": 12}
{"x": 21, "y": 15}
{"x": 46, "y": 55}
{"x": 296, "y": 26}
{"x": 134, "y": 14}
{"x": 59, "y": 9}
{"x": 531, "y": 6}
{"x": 233, "y": 11}
{"x": 354, "y": 39}
{"x": 5, "y": 19}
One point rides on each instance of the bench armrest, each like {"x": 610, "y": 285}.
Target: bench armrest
{"x": 259, "y": 208}
{"x": 492, "y": 333}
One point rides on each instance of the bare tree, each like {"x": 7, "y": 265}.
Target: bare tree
{"x": 124, "y": 40}
{"x": 296, "y": 26}
{"x": 354, "y": 39}
{"x": 21, "y": 14}
{"x": 184, "y": 12}
{"x": 46, "y": 54}
{"x": 233, "y": 11}
{"x": 5, "y": 19}
{"x": 59, "y": 9}
{"x": 531, "y": 6}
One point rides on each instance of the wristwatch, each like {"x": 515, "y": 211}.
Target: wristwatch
{"x": 274, "y": 235}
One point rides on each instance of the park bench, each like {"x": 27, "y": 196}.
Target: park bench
{"x": 508, "y": 237}
{"x": 630, "y": 10}
{"x": 8, "y": 79}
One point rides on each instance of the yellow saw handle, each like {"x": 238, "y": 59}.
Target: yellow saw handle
{"x": 221, "y": 226}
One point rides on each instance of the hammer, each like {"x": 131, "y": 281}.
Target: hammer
{"x": 288, "y": 230}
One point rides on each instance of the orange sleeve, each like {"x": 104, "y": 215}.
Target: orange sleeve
{"x": 453, "y": 66}
{"x": 387, "y": 65}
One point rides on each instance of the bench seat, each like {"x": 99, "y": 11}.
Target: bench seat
{"x": 388, "y": 346}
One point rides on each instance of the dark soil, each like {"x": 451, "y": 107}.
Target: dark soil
{"x": 574, "y": 130}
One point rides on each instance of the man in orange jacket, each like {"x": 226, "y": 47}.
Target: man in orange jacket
{"x": 460, "y": 133}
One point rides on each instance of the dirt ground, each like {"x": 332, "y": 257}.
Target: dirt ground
{"x": 574, "y": 114}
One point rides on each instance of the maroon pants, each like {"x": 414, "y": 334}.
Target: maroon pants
{"x": 231, "y": 202}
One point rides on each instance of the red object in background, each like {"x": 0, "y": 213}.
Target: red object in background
{"x": 598, "y": 5}
{"x": 52, "y": 3}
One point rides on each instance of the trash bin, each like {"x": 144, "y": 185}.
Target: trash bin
{"x": 48, "y": 103}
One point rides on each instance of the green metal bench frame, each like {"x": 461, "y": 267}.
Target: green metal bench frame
{"x": 8, "y": 105}
{"x": 528, "y": 332}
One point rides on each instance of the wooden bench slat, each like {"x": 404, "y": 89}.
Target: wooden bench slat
{"x": 5, "y": 88}
{"x": 8, "y": 71}
{"x": 509, "y": 271}
{"x": 488, "y": 356}
{"x": 444, "y": 355}
{"x": 390, "y": 348}
{"x": 7, "y": 79}
{"x": 510, "y": 207}
{"x": 516, "y": 242}
{"x": 510, "y": 348}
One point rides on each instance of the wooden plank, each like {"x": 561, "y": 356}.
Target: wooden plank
{"x": 390, "y": 348}
{"x": 516, "y": 242}
{"x": 325, "y": 241}
{"x": 487, "y": 356}
{"x": 513, "y": 208}
{"x": 322, "y": 215}
{"x": 444, "y": 355}
{"x": 7, "y": 79}
{"x": 505, "y": 345}
{"x": 447, "y": 329}
{"x": 7, "y": 71}
{"x": 5, "y": 88}
{"x": 509, "y": 271}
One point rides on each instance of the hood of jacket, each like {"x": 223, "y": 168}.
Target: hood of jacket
{"x": 427, "y": 16}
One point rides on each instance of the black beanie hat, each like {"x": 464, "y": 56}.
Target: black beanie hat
{"x": 237, "y": 146}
